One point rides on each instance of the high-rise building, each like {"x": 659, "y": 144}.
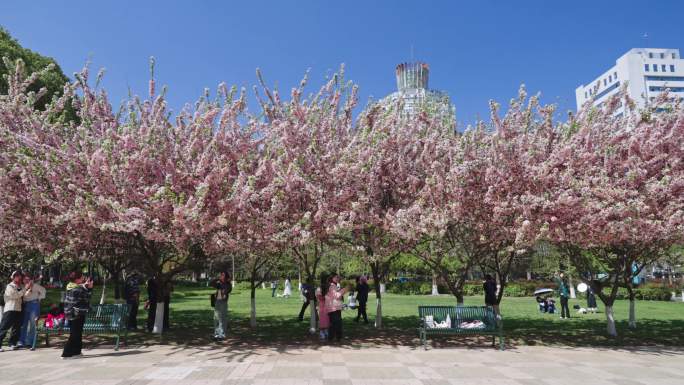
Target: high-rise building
{"x": 646, "y": 72}
{"x": 412, "y": 89}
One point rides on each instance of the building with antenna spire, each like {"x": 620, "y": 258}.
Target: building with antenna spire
{"x": 414, "y": 93}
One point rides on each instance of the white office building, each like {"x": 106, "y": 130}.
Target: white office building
{"x": 647, "y": 72}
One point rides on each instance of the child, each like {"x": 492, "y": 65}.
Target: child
{"x": 55, "y": 317}
{"x": 551, "y": 305}
{"x": 323, "y": 318}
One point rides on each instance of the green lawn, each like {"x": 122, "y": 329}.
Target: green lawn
{"x": 659, "y": 323}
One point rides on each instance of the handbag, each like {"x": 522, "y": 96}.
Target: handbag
{"x": 212, "y": 299}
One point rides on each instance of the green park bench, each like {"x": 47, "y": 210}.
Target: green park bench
{"x": 109, "y": 319}
{"x": 461, "y": 318}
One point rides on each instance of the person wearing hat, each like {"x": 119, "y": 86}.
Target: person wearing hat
{"x": 11, "y": 318}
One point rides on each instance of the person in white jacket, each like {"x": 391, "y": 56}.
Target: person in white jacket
{"x": 11, "y": 318}
{"x": 33, "y": 294}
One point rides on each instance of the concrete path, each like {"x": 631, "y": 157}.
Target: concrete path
{"x": 170, "y": 365}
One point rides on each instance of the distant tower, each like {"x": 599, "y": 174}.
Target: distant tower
{"x": 412, "y": 88}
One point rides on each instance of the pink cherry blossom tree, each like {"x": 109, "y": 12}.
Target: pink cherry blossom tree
{"x": 615, "y": 194}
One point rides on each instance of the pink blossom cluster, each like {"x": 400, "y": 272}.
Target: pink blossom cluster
{"x": 306, "y": 170}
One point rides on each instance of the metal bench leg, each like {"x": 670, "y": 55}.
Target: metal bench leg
{"x": 116, "y": 348}
{"x": 47, "y": 339}
{"x": 501, "y": 342}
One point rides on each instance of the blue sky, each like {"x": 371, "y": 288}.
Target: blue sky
{"x": 477, "y": 50}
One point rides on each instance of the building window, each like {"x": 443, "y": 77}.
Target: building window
{"x": 655, "y": 68}
{"x": 605, "y": 82}
{"x": 585, "y": 95}
{"x": 660, "y": 89}
{"x": 673, "y": 56}
{"x": 662, "y": 55}
{"x": 615, "y": 75}
{"x": 650, "y": 55}
{"x": 672, "y": 68}
{"x": 610, "y": 78}
{"x": 663, "y": 68}
{"x": 666, "y": 78}
{"x": 646, "y": 67}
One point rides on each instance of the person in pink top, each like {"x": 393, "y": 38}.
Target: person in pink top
{"x": 323, "y": 319}
{"x": 334, "y": 301}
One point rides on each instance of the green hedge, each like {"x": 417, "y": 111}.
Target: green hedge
{"x": 523, "y": 289}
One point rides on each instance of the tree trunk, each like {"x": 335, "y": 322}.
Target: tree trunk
{"x": 573, "y": 295}
{"x": 312, "y": 322}
{"x": 459, "y": 300}
{"x": 104, "y": 287}
{"x": 632, "y": 314}
{"x": 116, "y": 281}
{"x": 159, "y": 319}
{"x": 252, "y": 313}
{"x": 610, "y": 318}
{"x": 378, "y": 295}
{"x": 435, "y": 289}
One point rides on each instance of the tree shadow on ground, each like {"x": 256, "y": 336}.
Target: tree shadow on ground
{"x": 194, "y": 329}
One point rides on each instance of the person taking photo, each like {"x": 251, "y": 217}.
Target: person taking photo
{"x": 76, "y": 306}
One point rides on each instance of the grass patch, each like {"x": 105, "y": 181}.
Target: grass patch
{"x": 659, "y": 323}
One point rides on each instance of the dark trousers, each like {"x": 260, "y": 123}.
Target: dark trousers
{"x": 273, "y": 290}
{"x": 133, "y": 314}
{"x": 335, "y": 331}
{"x": 361, "y": 312}
{"x": 301, "y": 312}
{"x": 11, "y": 320}
{"x": 565, "y": 310}
{"x": 74, "y": 344}
{"x": 151, "y": 313}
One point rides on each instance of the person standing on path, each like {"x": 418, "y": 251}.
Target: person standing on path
{"x": 274, "y": 287}
{"x": 362, "y": 290}
{"x": 223, "y": 289}
{"x": 564, "y": 292}
{"x": 489, "y": 287}
{"x": 334, "y": 301}
{"x": 11, "y": 317}
{"x": 76, "y": 306}
{"x": 32, "y": 297}
{"x": 132, "y": 297}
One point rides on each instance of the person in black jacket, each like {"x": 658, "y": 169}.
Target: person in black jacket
{"x": 151, "y": 304}
{"x": 132, "y": 297}
{"x": 489, "y": 287}
{"x": 308, "y": 293}
{"x": 76, "y": 306}
{"x": 362, "y": 297}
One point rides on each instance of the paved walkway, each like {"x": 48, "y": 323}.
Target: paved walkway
{"x": 169, "y": 365}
